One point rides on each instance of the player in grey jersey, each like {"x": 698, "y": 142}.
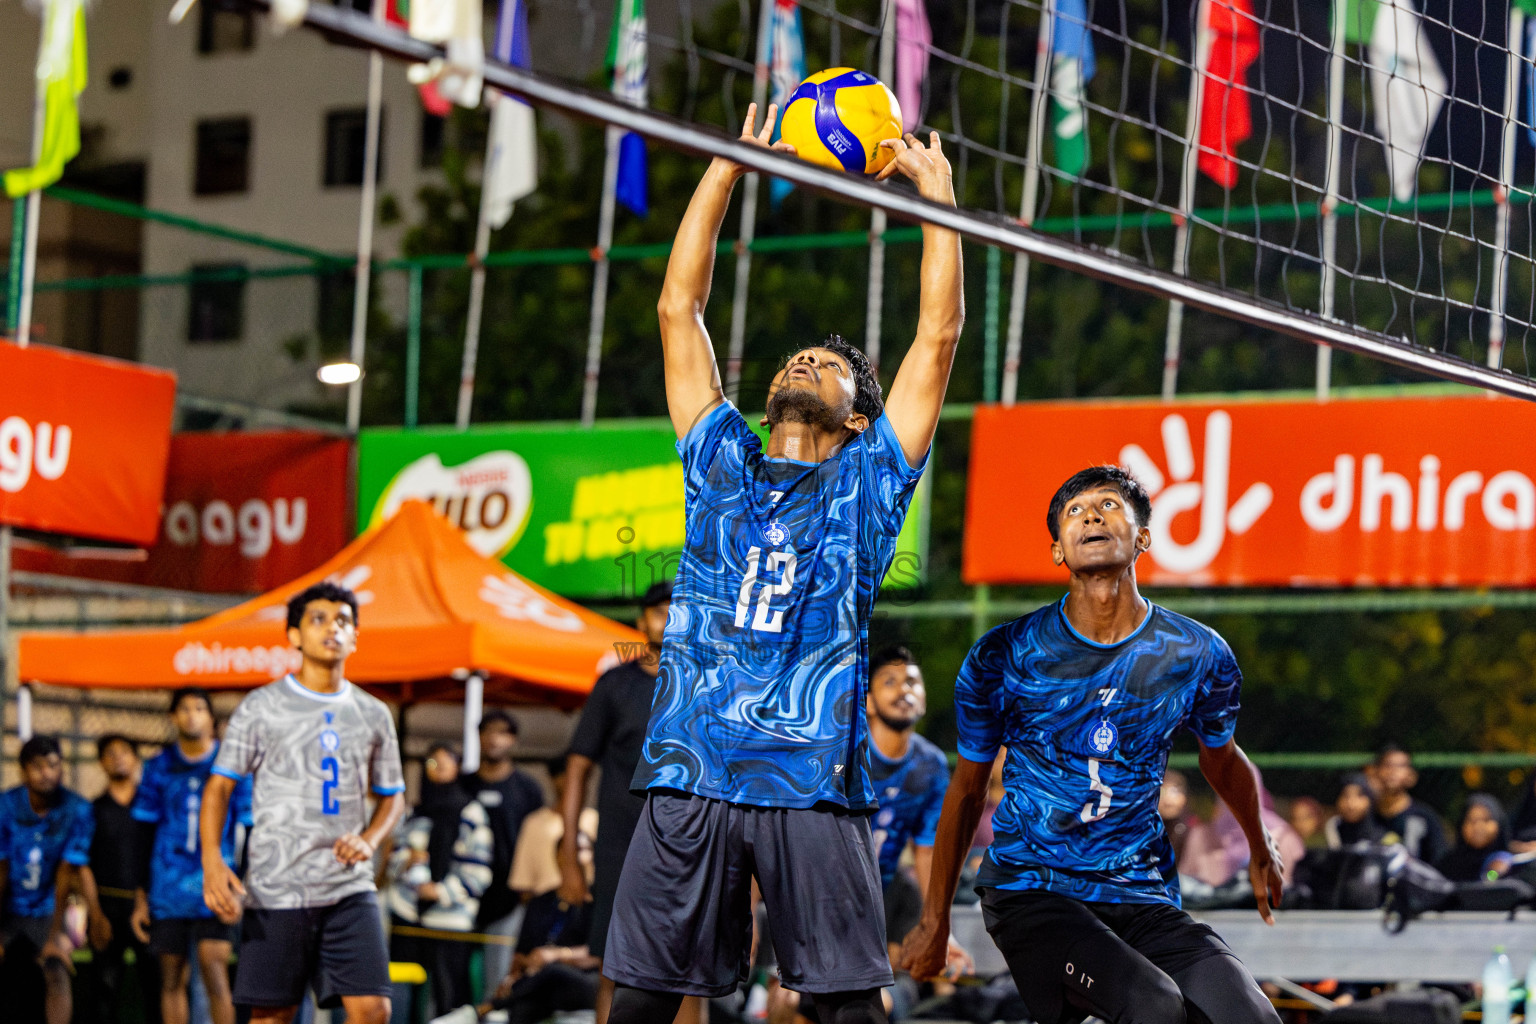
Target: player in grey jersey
{"x": 316, "y": 746}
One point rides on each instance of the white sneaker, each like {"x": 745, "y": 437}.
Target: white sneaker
{"x": 463, "y": 1015}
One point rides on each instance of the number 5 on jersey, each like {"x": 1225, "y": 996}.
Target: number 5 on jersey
{"x": 768, "y": 620}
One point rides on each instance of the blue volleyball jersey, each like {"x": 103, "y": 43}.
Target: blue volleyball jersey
{"x": 34, "y": 845}
{"x": 1088, "y": 728}
{"x": 760, "y": 697}
{"x": 911, "y": 797}
{"x": 170, "y": 798}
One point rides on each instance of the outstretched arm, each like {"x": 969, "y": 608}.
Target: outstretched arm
{"x": 917, "y": 393}
{"x": 693, "y": 379}
{"x": 926, "y": 949}
{"x": 1231, "y": 775}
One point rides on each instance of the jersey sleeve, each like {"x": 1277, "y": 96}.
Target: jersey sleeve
{"x": 1213, "y": 719}
{"x": 701, "y": 445}
{"x": 933, "y": 802}
{"x": 888, "y": 481}
{"x": 596, "y": 722}
{"x": 240, "y": 749}
{"x": 82, "y": 829}
{"x": 385, "y": 775}
{"x": 149, "y": 800}
{"x": 977, "y": 686}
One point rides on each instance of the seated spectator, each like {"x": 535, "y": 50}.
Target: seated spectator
{"x": 1217, "y": 854}
{"x": 1352, "y": 823}
{"x": 1481, "y": 838}
{"x": 1306, "y": 817}
{"x": 1522, "y": 827}
{"x": 1173, "y": 808}
{"x": 1406, "y": 821}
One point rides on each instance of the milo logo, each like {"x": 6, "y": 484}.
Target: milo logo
{"x": 488, "y": 497}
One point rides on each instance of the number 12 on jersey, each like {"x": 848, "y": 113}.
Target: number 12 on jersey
{"x": 767, "y": 619}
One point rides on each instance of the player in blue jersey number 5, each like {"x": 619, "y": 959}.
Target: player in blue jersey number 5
{"x": 755, "y": 761}
{"x": 1079, "y": 887}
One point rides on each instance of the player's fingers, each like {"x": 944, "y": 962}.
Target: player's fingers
{"x": 749, "y": 126}
{"x": 785, "y": 147}
{"x": 933, "y": 142}
{"x": 768, "y": 123}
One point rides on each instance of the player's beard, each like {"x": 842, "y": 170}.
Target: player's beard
{"x": 897, "y": 724}
{"x": 802, "y": 405}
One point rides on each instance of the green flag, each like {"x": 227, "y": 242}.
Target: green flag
{"x": 1529, "y": 7}
{"x": 1359, "y": 19}
{"x": 61, "y": 72}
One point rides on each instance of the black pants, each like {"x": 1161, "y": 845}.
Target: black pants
{"x": 556, "y": 988}
{"x": 1124, "y": 963}
{"x": 446, "y": 964}
{"x": 108, "y": 970}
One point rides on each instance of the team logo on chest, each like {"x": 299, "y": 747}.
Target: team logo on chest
{"x": 329, "y": 741}
{"x": 1103, "y": 737}
{"x": 775, "y": 533}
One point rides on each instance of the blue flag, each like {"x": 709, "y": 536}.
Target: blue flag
{"x": 1072, "y": 68}
{"x": 786, "y": 62}
{"x": 627, "y": 59}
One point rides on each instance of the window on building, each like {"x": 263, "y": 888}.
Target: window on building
{"x": 225, "y": 26}
{"x": 223, "y": 156}
{"x": 434, "y": 137}
{"x": 333, "y": 305}
{"x": 216, "y": 306}
{"x": 346, "y": 133}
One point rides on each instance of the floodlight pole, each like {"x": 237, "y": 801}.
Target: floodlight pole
{"x": 1172, "y": 339}
{"x": 748, "y": 230}
{"x": 365, "y": 227}
{"x": 1014, "y": 346}
{"x": 1331, "y": 188}
{"x": 1496, "y": 324}
{"x": 874, "y": 309}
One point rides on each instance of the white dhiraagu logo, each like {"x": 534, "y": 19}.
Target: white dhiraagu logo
{"x": 514, "y": 599}
{"x": 1180, "y": 492}
{"x": 488, "y": 497}
{"x": 23, "y": 449}
{"x": 255, "y": 526}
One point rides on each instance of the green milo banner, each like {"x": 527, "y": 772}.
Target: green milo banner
{"x": 586, "y": 513}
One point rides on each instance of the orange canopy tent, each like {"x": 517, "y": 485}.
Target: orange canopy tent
{"x": 434, "y": 614}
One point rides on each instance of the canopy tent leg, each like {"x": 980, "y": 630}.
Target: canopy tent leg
{"x": 24, "y": 712}
{"x": 474, "y": 703}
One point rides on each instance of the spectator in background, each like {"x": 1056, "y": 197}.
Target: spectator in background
{"x": 536, "y": 873}
{"x": 169, "y": 913}
{"x": 508, "y": 796}
{"x": 1522, "y": 827}
{"x": 609, "y": 736}
{"x": 1481, "y": 836}
{"x": 1219, "y": 854}
{"x": 1306, "y": 818}
{"x": 1403, "y": 820}
{"x": 116, "y": 856}
{"x": 439, "y": 869}
{"x": 1173, "y": 807}
{"x": 1352, "y": 821}
{"x": 45, "y": 852}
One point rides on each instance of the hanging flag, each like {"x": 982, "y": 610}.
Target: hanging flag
{"x": 1072, "y": 68}
{"x": 61, "y": 73}
{"x": 786, "y": 63}
{"x": 398, "y": 14}
{"x": 1529, "y": 54}
{"x": 511, "y": 149}
{"x": 1359, "y": 20}
{"x": 913, "y": 37}
{"x": 457, "y": 75}
{"x": 627, "y": 62}
{"x": 1226, "y": 116}
{"x": 1407, "y": 90}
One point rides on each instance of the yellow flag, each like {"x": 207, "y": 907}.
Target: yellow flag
{"x": 61, "y": 71}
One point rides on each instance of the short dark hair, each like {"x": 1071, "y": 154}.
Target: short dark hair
{"x": 1092, "y": 478}
{"x": 37, "y": 748}
{"x": 655, "y": 594}
{"x": 107, "y": 739}
{"x": 891, "y": 655}
{"x": 868, "y": 400}
{"x": 188, "y": 693}
{"x": 498, "y": 715}
{"x": 446, "y": 747}
{"x": 322, "y": 591}
{"x": 1387, "y": 750}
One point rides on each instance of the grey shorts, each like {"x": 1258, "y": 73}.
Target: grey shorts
{"x": 682, "y": 918}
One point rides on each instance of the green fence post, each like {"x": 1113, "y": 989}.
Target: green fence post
{"x": 413, "y": 346}
{"x": 13, "y": 284}
{"x": 989, "y": 325}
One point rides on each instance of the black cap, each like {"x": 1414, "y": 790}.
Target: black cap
{"x": 498, "y": 715}
{"x": 657, "y": 593}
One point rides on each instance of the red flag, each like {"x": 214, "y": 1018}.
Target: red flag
{"x": 431, "y": 100}
{"x": 1225, "y": 116}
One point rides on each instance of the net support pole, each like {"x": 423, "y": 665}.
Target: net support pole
{"x": 24, "y": 285}
{"x": 1014, "y": 346}
{"x": 365, "y": 228}
{"x": 600, "y": 276}
{"x": 1496, "y": 322}
{"x": 1324, "y": 376}
{"x": 1172, "y": 339}
{"x": 413, "y": 346}
{"x": 989, "y": 324}
{"x": 748, "y": 230}
{"x": 472, "y": 320}
{"x": 874, "y": 306}
{"x": 474, "y": 704}
{"x": 23, "y": 712}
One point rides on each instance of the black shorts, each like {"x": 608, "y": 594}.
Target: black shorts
{"x": 20, "y": 934}
{"x": 173, "y": 936}
{"x": 608, "y": 865}
{"x": 337, "y": 949}
{"x": 1119, "y": 961}
{"x": 682, "y": 920}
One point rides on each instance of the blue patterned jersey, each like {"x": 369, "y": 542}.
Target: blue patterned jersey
{"x": 170, "y": 798}
{"x": 1088, "y": 728}
{"x": 911, "y": 796}
{"x": 760, "y": 698}
{"x": 34, "y": 845}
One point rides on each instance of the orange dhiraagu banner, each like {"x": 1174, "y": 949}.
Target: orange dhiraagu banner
{"x": 1372, "y": 492}
{"x": 244, "y": 513}
{"x": 83, "y": 443}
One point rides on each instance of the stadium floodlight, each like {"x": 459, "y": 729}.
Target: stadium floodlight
{"x": 339, "y": 374}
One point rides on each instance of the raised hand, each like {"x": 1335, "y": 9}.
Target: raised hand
{"x": 927, "y": 166}
{"x": 760, "y": 137}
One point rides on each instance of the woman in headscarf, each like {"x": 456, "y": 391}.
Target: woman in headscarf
{"x": 1353, "y": 822}
{"x": 1481, "y": 835}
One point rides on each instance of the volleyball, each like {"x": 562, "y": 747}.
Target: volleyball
{"x": 838, "y": 118}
